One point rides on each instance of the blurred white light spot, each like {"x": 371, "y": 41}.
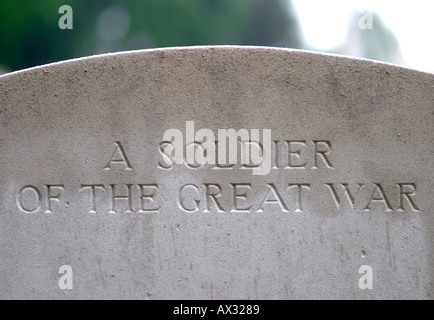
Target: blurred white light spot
{"x": 325, "y": 25}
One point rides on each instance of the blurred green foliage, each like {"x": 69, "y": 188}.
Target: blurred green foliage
{"x": 30, "y": 35}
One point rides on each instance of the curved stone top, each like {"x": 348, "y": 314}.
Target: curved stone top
{"x": 84, "y": 180}
{"x": 215, "y": 49}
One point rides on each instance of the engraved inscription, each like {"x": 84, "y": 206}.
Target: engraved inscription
{"x": 406, "y": 193}
{"x": 53, "y": 197}
{"x": 361, "y": 196}
{"x": 351, "y": 198}
{"x": 275, "y": 198}
{"x": 29, "y": 199}
{"x": 118, "y": 158}
{"x": 92, "y": 188}
{"x": 296, "y": 154}
{"x": 234, "y": 196}
{"x": 238, "y": 195}
{"x": 127, "y": 198}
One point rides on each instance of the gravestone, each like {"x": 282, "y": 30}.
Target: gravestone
{"x": 94, "y": 202}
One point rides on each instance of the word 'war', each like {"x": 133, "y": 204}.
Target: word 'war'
{"x": 218, "y": 197}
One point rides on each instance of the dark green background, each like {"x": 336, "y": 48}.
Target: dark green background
{"x": 30, "y": 34}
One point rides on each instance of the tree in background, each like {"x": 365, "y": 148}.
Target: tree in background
{"x": 272, "y": 23}
{"x": 30, "y": 36}
{"x": 378, "y": 43}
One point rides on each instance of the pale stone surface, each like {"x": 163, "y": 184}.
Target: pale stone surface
{"x": 61, "y": 124}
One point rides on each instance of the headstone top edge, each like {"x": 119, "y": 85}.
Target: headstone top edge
{"x": 217, "y": 48}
